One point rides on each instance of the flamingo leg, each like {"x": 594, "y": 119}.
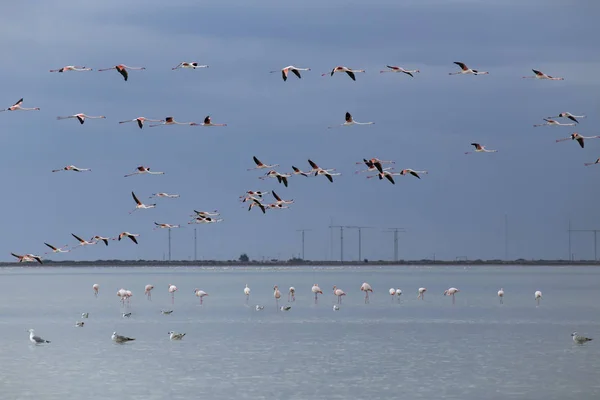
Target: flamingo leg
{"x": 501, "y": 300}
{"x": 316, "y": 299}
{"x": 452, "y": 299}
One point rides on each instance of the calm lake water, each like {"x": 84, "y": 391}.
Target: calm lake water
{"x": 412, "y": 349}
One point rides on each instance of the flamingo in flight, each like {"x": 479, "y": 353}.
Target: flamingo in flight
{"x": 57, "y": 249}
{"x": 28, "y": 258}
{"x": 200, "y": 293}
{"x": 81, "y": 117}
{"x": 71, "y": 68}
{"x": 140, "y": 121}
{"x": 99, "y": 238}
{"x": 250, "y": 194}
{"x": 166, "y": 195}
{"x": 385, "y": 174}
{"x": 339, "y": 293}
{"x": 171, "y": 121}
{"x": 350, "y": 121}
{"x": 579, "y": 138}
{"x": 139, "y": 205}
{"x": 541, "y": 75}
{"x": 205, "y": 220}
{"x": 291, "y": 68}
{"x": 279, "y": 201}
{"x": 165, "y": 226}
{"x": 71, "y": 168}
{"x": 257, "y": 203}
{"x": 316, "y": 290}
{"x": 83, "y": 242}
{"x": 466, "y": 70}
{"x": 593, "y": 163}
{"x": 320, "y": 171}
{"x": 148, "y": 291}
{"x": 451, "y": 292}
{"x": 412, "y": 172}
{"x": 551, "y": 122}
{"x": 375, "y": 163}
{"x": 501, "y": 295}
{"x": 131, "y": 236}
{"x": 144, "y": 170}
{"x": 351, "y": 72}
{"x": 189, "y": 65}
{"x": 365, "y": 287}
{"x": 298, "y": 171}
{"x": 569, "y": 115}
{"x": 17, "y": 107}
{"x": 280, "y": 177}
{"x": 122, "y": 69}
{"x": 393, "y": 68}
{"x": 208, "y": 122}
{"x": 261, "y": 165}
{"x": 214, "y": 213}
{"x": 277, "y": 205}
{"x": 480, "y": 149}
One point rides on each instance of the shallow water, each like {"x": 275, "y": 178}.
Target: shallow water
{"x": 410, "y": 349}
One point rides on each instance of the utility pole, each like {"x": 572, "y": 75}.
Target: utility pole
{"x": 195, "y": 246}
{"x": 595, "y": 239}
{"x": 341, "y": 240}
{"x": 570, "y": 254}
{"x": 396, "y": 230}
{"x": 303, "y": 230}
{"x": 360, "y": 228}
{"x": 505, "y": 237}
{"x": 169, "y": 244}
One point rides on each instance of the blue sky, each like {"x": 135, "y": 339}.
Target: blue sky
{"x": 425, "y": 123}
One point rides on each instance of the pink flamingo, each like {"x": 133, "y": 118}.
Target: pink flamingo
{"x": 292, "y": 294}
{"x": 422, "y": 293}
{"x": 316, "y": 290}
{"x": 339, "y": 293}
{"x": 148, "y": 291}
{"x": 172, "y": 290}
{"x": 277, "y": 295}
{"x": 122, "y": 293}
{"x": 365, "y": 287}
{"x": 96, "y": 287}
{"x": 451, "y": 292}
{"x": 200, "y": 293}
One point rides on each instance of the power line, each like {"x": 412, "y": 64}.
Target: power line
{"x": 360, "y": 228}
{"x": 396, "y": 230}
{"x": 341, "y": 240}
{"x": 303, "y": 230}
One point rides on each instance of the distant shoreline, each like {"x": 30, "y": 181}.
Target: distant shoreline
{"x": 299, "y": 263}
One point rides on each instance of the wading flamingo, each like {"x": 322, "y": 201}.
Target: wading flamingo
{"x": 277, "y": 295}
{"x": 148, "y": 291}
{"x": 451, "y": 292}
{"x": 292, "y": 294}
{"x": 96, "y": 288}
{"x": 538, "y": 296}
{"x": 247, "y": 293}
{"x": 398, "y": 293}
{"x": 422, "y": 293}
{"x": 392, "y": 292}
{"x": 200, "y": 293}
{"x": 501, "y": 295}
{"x": 365, "y": 287}
{"x": 172, "y": 290}
{"x": 339, "y": 293}
{"x": 316, "y": 290}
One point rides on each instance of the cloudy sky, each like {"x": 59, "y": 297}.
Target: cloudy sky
{"x": 426, "y": 123}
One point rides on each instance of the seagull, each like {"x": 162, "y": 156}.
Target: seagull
{"x": 98, "y": 238}
{"x": 171, "y": 121}
{"x": 165, "y": 226}
{"x": 28, "y": 258}
{"x": 71, "y": 168}
{"x": 551, "y": 122}
{"x": 190, "y": 65}
{"x": 295, "y": 70}
{"x": 580, "y": 339}
{"x": 79, "y": 324}
{"x": 140, "y": 121}
{"x": 85, "y": 315}
{"x": 258, "y": 307}
{"x": 139, "y": 204}
{"x": 176, "y": 336}
{"x": 393, "y": 68}
{"x": 57, "y": 249}
{"x": 541, "y": 75}
{"x": 126, "y": 315}
{"x": 120, "y": 339}
{"x": 131, "y": 236}
{"x": 36, "y": 339}
{"x": 81, "y": 117}
{"x": 208, "y": 122}
{"x": 166, "y": 312}
{"x": 122, "y": 69}
{"x": 163, "y": 194}
{"x": 336, "y": 307}
{"x": 285, "y": 308}
{"x": 71, "y": 68}
{"x": 350, "y": 121}
{"x": 144, "y": 170}
{"x": 347, "y": 70}
{"x": 466, "y": 70}
{"x": 412, "y": 172}
{"x": 480, "y": 149}
{"x": 569, "y": 115}
{"x": 17, "y": 107}
{"x": 579, "y": 138}
{"x": 261, "y": 165}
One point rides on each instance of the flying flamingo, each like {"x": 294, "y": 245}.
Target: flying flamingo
{"x": 480, "y": 149}
{"x": 541, "y": 75}
{"x": 122, "y": 69}
{"x": 279, "y": 201}
{"x": 83, "y": 242}
{"x": 451, "y": 292}
{"x": 501, "y": 295}
{"x": 372, "y": 167}
{"x": 365, "y": 287}
{"x": 316, "y": 290}
{"x": 200, "y": 293}
{"x": 57, "y": 249}
{"x": 276, "y": 205}
{"x": 208, "y": 122}
{"x": 350, "y": 121}
{"x": 71, "y": 168}
{"x": 99, "y": 238}
{"x": 144, "y": 170}
{"x": 339, "y": 293}
{"x": 96, "y": 288}
{"x": 171, "y": 121}
{"x": 251, "y": 195}
{"x": 298, "y": 171}
{"x": 131, "y": 236}
{"x": 190, "y": 65}
{"x": 280, "y": 177}
{"x": 172, "y": 290}
{"x": 205, "y": 220}
{"x": 148, "y": 291}
{"x": 347, "y": 70}
{"x": 538, "y": 296}
{"x": 81, "y": 117}
{"x": 165, "y": 226}
{"x": 569, "y": 116}
{"x": 277, "y": 295}
{"x": 214, "y": 213}
{"x": 392, "y": 292}
{"x": 71, "y": 68}
{"x": 247, "y": 293}
{"x": 140, "y": 121}
{"x": 295, "y": 70}
{"x": 385, "y": 174}
{"x": 139, "y": 205}
{"x": 422, "y": 293}
{"x": 320, "y": 171}
{"x": 292, "y": 294}
{"x": 163, "y": 194}
{"x": 551, "y": 122}
{"x": 412, "y": 172}
{"x": 28, "y": 258}
{"x": 592, "y": 163}
{"x": 17, "y": 107}
{"x": 579, "y": 138}
{"x": 393, "y": 68}
{"x": 466, "y": 70}
{"x": 261, "y": 165}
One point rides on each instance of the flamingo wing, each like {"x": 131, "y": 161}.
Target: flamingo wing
{"x": 257, "y": 161}
{"x": 390, "y": 178}
{"x": 348, "y": 117}
{"x": 461, "y": 65}
{"x": 140, "y": 123}
{"x": 297, "y": 73}
{"x": 351, "y": 75}
{"x": 49, "y": 245}
{"x": 123, "y": 72}
{"x": 136, "y": 199}
{"x": 275, "y": 195}
{"x": 312, "y": 164}
{"x": 284, "y": 74}
{"x": 580, "y": 141}
{"x": 133, "y": 238}
{"x": 18, "y": 103}
{"x": 77, "y": 237}
{"x": 207, "y": 120}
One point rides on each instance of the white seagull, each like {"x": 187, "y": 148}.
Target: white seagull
{"x": 120, "y": 339}
{"x": 36, "y": 339}
{"x": 176, "y": 336}
{"x": 580, "y": 339}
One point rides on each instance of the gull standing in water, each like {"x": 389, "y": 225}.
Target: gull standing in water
{"x": 580, "y": 339}
{"x": 365, "y": 287}
{"x": 176, "y": 336}
{"x": 36, "y": 339}
{"x": 316, "y": 290}
{"x": 120, "y": 339}
{"x": 451, "y": 292}
{"x": 501, "y": 295}
{"x": 79, "y": 324}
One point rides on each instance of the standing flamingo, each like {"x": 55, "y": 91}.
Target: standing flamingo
{"x": 501, "y": 295}
{"x": 365, "y": 287}
{"x": 122, "y": 69}
{"x": 200, "y": 293}
{"x": 148, "y": 291}
{"x": 96, "y": 288}
{"x": 538, "y": 296}
{"x": 451, "y": 292}
{"x": 292, "y": 294}
{"x": 121, "y": 293}
{"x": 172, "y": 290}
{"x": 339, "y": 293}
{"x": 277, "y": 295}
{"x": 316, "y": 290}
{"x": 247, "y": 293}
{"x": 392, "y": 293}
{"x": 422, "y": 293}
{"x": 398, "y": 293}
